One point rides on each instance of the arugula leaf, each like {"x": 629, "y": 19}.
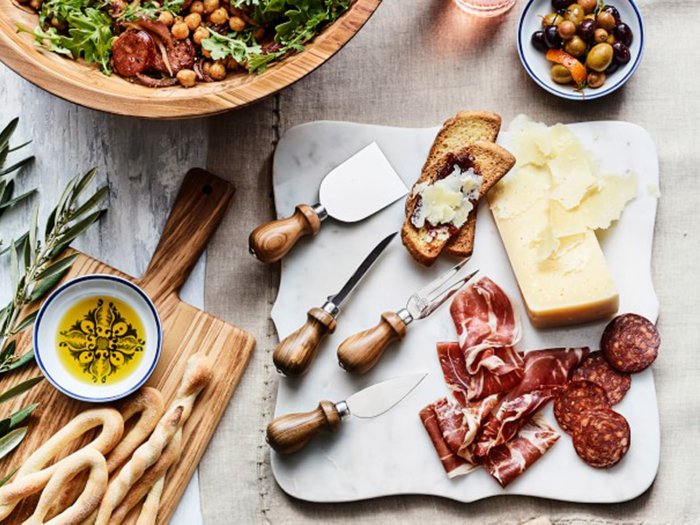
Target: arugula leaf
{"x": 150, "y": 9}
{"x": 241, "y": 47}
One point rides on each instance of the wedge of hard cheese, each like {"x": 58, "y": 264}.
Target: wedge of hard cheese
{"x": 547, "y": 211}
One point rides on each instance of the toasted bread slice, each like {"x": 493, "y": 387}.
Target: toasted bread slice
{"x": 464, "y": 129}
{"x": 491, "y": 161}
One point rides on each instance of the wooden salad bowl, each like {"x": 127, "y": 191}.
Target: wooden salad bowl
{"x": 84, "y": 84}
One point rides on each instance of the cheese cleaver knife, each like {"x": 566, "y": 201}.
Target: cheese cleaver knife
{"x": 287, "y": 434}
{"x": 358, "y": 188}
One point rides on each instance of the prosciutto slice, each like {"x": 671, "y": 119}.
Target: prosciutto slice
{"x": 508, "y": 461}
{"x": 485, "y": 320}
{"x": 451, "y": 462}
{"x": 549, "y": 368}
{"x": 460, "y": 426}
{"x": 468, "y": 387}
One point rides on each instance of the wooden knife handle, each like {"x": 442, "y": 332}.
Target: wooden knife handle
{"x": 295, "y": 353}
{"x": 360, "y": 352}
{"x": 271, "y": 241}
{"x": 287, "y": 434}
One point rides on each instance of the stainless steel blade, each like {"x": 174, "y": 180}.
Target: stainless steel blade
{"x": 429, "y": 298}
{"x": 338, "y": 298}
{"x": 381, "y": 397}
{"x": 361, "y": 186}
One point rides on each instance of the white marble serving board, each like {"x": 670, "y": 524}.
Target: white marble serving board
{"x": 392, "y": 454}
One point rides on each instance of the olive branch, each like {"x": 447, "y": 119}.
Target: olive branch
{"x": 36, "y": 266}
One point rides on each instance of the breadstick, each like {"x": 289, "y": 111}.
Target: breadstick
{"x": 112, "y": 429}
{"x": 66, "y": 470}
{"x": 148, "y": 402}
{"x": 143, "y": 486}
{"x": 197, "y": 375}
{"x": 149, "y": 510}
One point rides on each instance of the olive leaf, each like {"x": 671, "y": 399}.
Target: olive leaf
{"x": 15, "y": 419}
{"x": 7, "y": 478}
{"x": 11, "y": 441}
{"x": 17, "y": 362}
{"x": 19, "y": 389}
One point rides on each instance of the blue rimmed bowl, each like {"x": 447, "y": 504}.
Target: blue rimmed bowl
{"x": 47, "y": 349}
{"x": 538, "y": 67}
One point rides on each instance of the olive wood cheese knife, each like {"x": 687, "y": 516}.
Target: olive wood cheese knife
{"x": 295, "y": 353}
{"x": 287, "y": 434}
{"x": 360, "y": 352}
{"x": 358, "y": 188}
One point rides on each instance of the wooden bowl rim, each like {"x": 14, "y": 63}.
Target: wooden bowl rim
{"x": 202, "y": 100}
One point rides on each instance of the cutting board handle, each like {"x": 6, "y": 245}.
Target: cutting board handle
{"x": 198, "y": 210}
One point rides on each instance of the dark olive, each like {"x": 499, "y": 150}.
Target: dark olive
{"x": 538, "y": 41}
{"x": 614, "y": 66}
{"x": 561, "y": 4}
{"x": 623, "y": 33}
{"x": 613, "y": 11}
{"x": 551, "y": 37}
{"x": 587, "y": 29}
{"x": 621, "y": 52}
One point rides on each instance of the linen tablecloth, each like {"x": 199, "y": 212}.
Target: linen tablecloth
{"x": 416, "y": 63}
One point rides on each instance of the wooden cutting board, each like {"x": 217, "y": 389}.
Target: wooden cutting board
{"x": 198, "y": 211}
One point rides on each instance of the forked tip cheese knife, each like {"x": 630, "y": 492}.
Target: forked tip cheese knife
{"x": 360, "y": 352}
{"x": 295, "y": 353}
{"x": 358, "y": 188}
{"x": 287, "y": 434}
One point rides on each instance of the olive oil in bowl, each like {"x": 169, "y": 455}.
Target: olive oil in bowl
{"x": 100, "y": 340}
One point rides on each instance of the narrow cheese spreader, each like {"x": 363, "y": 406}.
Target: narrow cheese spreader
{"x": 289, "y": 433}
{"x": 360, "y": 352}
{"x": 358, "y": 188}
{"x": 295, "y": 353}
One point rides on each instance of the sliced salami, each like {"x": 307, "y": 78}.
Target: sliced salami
{"x": 132, "y": 53}
{"x": 631, "y": 343}
{"x": 576, "y": 398}
{"x": 602, "y": 437}
{"x": 596, "y": 369}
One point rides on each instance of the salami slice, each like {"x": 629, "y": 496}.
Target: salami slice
{"x": 132, "y": 53}
{"x": 602, "y": 437}
{"x": 575, "y": 399}
{"x": 596, "y": 369}
{"x": 631, "y": 343}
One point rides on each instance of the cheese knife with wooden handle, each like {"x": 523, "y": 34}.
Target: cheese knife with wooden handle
{"x": 356, "y": 189}
{"x": 289, "y": 433}
{"x": 295, "y": 353}
{"x": 360, "y": 352}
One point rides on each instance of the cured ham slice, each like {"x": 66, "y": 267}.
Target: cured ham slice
{"x": 549, "y": 368}
{"x": 460, "y": 426}
{"x": 512, "y": 415}
{"x": 508, "y": 461}
{"x": 468, "y": 387}
{"x": 451, "y": 462}
{"x": 485, "y": 320}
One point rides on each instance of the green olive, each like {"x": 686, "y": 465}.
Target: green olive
{"x": 561, "y": 75}
{"x": 552, "y": 19}
{"x": 595, "y": 80}
{"x": 575, "y": 13}
{"x": 576, "y": 47}
{"x": 601, "y": 35}
{"x": 567, "y": 30}
{"x": 600, "y": 57}
{"x": 588, "y": 5}
{"x": 605, "y": 20}
{"x": 611, "y": 39}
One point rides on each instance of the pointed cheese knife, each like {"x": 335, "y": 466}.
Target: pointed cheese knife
{"x": 358, "y": 188}
{"x": 295, "y": 353}
{"x": 360, "y": 352}
{"x": 287, "y": 434}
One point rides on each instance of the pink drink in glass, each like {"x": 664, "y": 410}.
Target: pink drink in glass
{"x": 486, "y": 8}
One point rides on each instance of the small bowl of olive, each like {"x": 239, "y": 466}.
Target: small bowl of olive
{"x": 580, "y": 49}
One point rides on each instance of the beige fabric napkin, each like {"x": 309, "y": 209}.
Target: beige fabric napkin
{"x": 416, "y": 63}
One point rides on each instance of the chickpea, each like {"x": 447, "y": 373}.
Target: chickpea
{"x": 58, "y": 24}
{"x": 193, "y": 20}
{"x": 206, "y": 53}
{"x": 200, "y": 34}
{"x": 35, "y": 4}
{"x": 219, "y": 16}
{"x": 211, "y": 5}
{"x": 236, "y": 23}
{"x": 186, "y": 77}
{"x": 167, "y": 18}
{"x": 206, "y": 68}
{"x": 259, "y": 33}
{"x": 180, "y": 31}
{"x": 601, "y": 35}
{"x": 217, "y": 71}
{"x": 197, "y": 7}
{"x": 231, "y": 64}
